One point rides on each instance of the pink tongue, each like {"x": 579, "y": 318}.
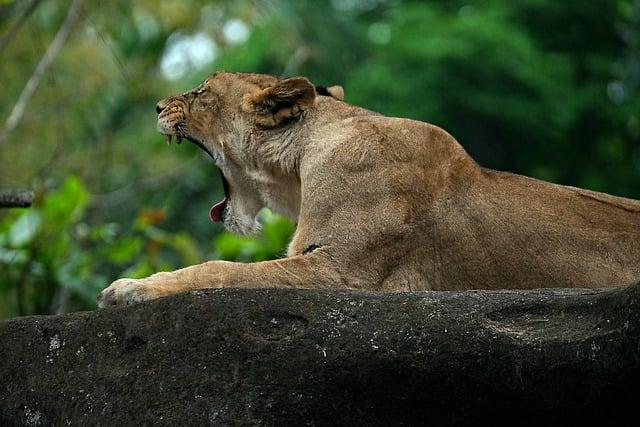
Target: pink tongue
{"x": 217, "y": 210}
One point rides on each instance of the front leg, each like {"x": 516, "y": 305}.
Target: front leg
{"x": 315, "y": 270}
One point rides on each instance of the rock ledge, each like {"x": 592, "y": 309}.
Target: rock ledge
{"x": 321, "y": 357}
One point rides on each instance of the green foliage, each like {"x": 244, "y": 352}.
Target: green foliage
{"x": 39, "y": 255}
{"x": 517, "y": 98}
{"x": 56, "y": 262}
{"x": 540, "y": 87}
{"x": 271, "y": 244}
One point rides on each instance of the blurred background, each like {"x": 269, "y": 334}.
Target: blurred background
{"x": 545, "y": 88}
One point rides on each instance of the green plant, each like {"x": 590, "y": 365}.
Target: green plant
{"x": 270, "y": 244}
{"x": 52, "y": 260}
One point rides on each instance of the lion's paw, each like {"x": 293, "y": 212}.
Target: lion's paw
{"x": 126, "y": 292}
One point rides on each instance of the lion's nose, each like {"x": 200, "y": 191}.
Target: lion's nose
{"x": 161, "y": 106}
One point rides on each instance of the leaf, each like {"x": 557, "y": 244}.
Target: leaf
{"x": 24, "y": 229}
{"x": 139, "y": 270}
{"x": 124, "y": 250}
{"x": 187, "y": 248}
{"x": 66, "y": 205}
{"x": 15, "y": 257}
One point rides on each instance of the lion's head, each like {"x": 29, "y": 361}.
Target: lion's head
{"x": 230, "y": 115}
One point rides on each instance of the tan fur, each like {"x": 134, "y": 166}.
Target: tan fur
{"x": 337, "y": 92}
{"x": 382, "y": 203}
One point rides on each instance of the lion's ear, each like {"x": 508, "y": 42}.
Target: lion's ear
{"x": 333, "y": 91}
{"x": 281, "y": 102}
{"x": 336, "y": 91}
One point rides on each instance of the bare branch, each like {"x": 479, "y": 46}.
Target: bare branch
{"x": 11, "y": 32}
{"x": 123, "y": 194}
{"x": 15, "y": 198}
{"x": 52, "y": 51}
{"x": 6, "y": 9}
{"x": 299, "y": 57}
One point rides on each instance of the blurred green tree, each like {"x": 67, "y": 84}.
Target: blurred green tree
{"x": 539, "y": 87}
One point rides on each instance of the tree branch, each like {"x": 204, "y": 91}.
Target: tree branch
{"x": 11, "y": 32}
{"x": 116, "y": 197}
{"x": 16, "y": 198}
{"x": 52, "y": 51}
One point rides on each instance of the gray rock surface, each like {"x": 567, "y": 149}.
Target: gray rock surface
{"x": 321, "y": 357}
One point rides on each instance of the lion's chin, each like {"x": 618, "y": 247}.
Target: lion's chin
{"x": 241, "y": 225}
{"x": 242, "y": 229}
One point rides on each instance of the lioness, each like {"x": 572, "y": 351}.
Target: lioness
{"x": 380, "y": 203}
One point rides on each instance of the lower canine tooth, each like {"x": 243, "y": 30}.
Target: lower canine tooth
{"x": 178, "y": 139}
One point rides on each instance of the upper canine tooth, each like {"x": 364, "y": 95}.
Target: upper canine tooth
{"x": 168, "y": 139}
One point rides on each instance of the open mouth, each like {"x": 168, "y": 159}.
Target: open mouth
{"x": 217, "y": 211}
